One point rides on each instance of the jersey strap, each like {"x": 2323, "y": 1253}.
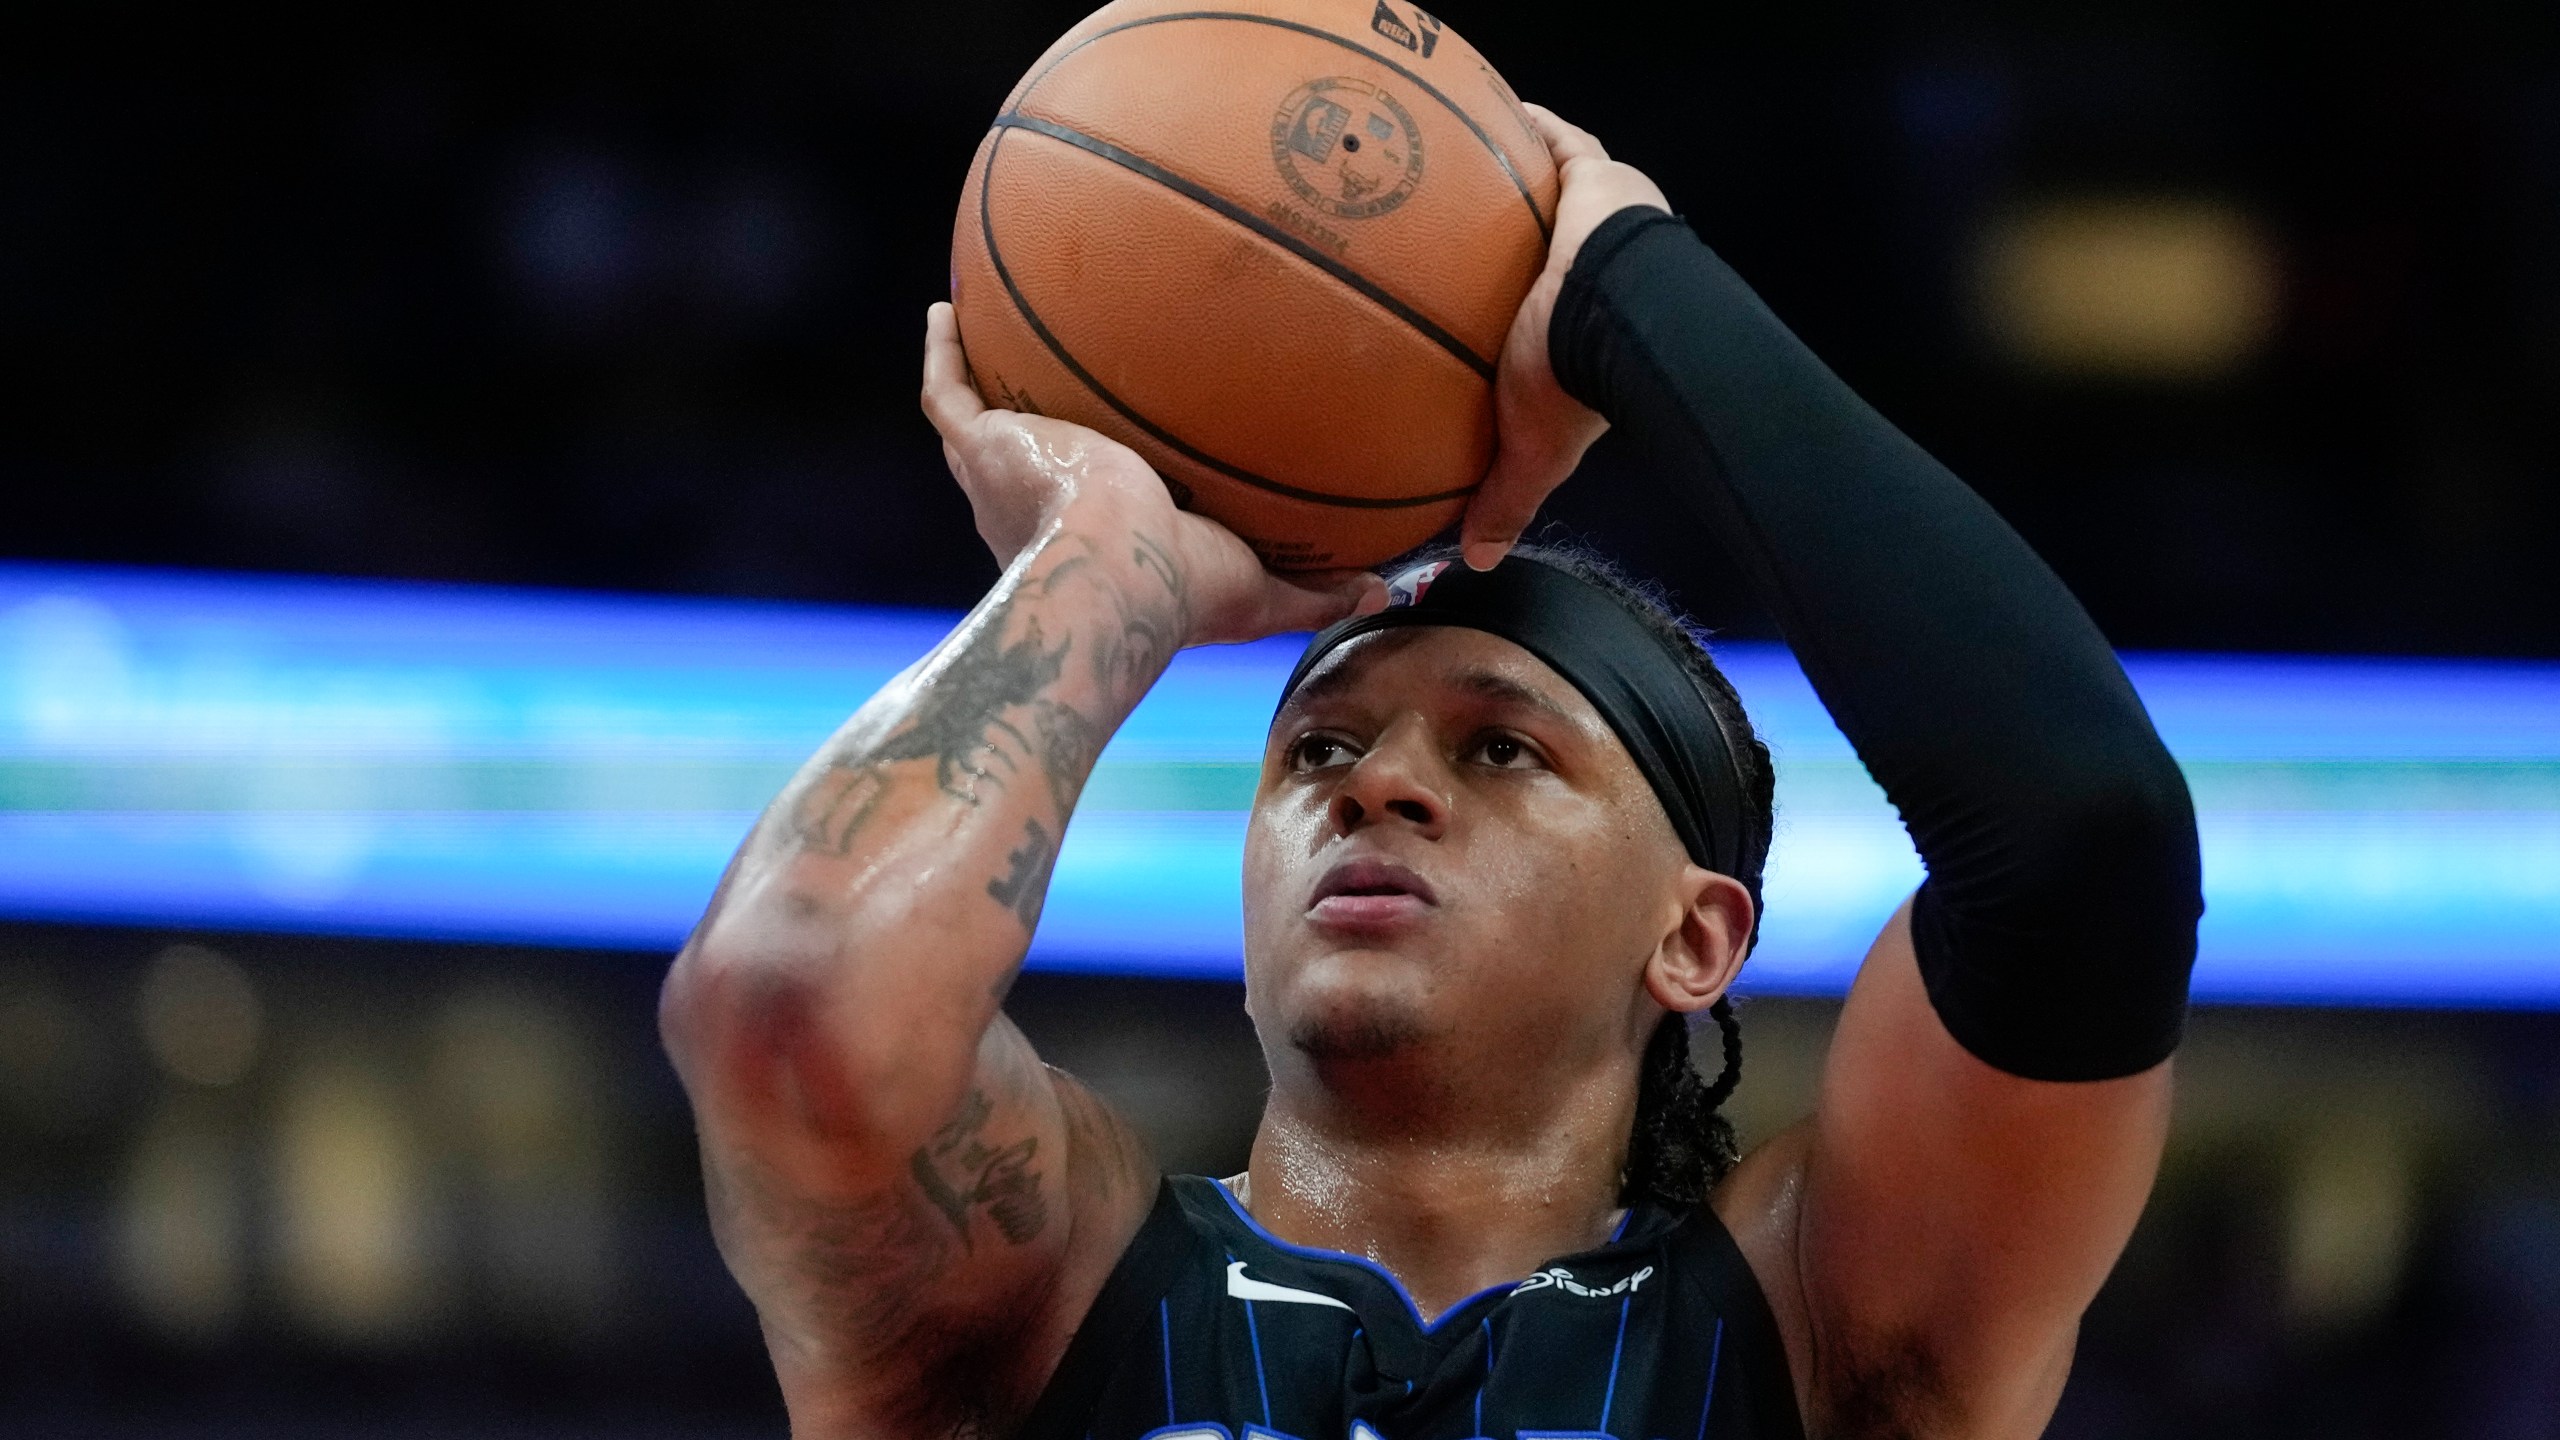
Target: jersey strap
{"x": 1721, "y": 1276}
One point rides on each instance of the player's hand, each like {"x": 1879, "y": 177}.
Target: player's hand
{"x": 1541, "y": 430}
{"x": 1025, "y": 473}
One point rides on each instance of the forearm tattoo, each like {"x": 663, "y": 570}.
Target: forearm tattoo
{"x": 1025, "y": 883}
{"x": 959, "y": 722}
{"x": 1131, "y": 654}
{"x": 994, "y": 711}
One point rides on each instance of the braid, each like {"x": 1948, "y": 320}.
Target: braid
{"x": 1682, "y": 1146}
{"x": 1721, "y": 1088}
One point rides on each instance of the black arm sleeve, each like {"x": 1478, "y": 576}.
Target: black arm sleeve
{"x": 2058, "y": 923}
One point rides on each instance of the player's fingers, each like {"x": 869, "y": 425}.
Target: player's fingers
{"x": 1565, "y": 140}
{"x": 1505, "y": 504}
{"x": 950, "y": 401}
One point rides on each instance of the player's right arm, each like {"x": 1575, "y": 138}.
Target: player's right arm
{"x": 919, "y": 1208}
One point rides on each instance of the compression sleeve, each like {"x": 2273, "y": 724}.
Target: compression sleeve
{"x": 2057, "y": 925}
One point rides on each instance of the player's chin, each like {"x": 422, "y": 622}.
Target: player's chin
{"x": 1351, "y": 1033}
{"x": 1359, "y": 1005}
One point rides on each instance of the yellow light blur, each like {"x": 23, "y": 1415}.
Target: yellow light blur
{"x": 2155, "y": 289}
{"x": 2349, "y": 1217}
{"x": 518, "y": 1085}
{"x": 349, "y": 1203}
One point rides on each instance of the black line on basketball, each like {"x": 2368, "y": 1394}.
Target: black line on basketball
{"x": 1518, "y": 182}
{"x": 1138, "y": 164}
{"x": 1031, "y": 317}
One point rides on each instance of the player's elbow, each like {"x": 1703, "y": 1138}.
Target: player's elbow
{"x": 2112, "y": 834}
{"x": 773, "y": 1041}
{"x": 725, "y": 973}
{"x": 696, "y": 1005}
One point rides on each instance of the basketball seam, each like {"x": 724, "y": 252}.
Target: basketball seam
{"x": 1501, "y": 157}
{"x": 1193, "y": 190}
{"x": 1031, "y": 317}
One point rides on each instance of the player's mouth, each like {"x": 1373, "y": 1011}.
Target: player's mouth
{"x": 1369, "y": 894}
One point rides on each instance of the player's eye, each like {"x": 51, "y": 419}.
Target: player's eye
{"x": 1319, "y": 752}
{"x": 1506, "y": 752}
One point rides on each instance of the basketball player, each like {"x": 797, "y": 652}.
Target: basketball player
{"x": 1507, "y": 842}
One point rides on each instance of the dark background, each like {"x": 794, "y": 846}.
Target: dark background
{"x": 629, "y": 297}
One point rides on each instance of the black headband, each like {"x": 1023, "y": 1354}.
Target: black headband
{"x": 1619, "y": 664}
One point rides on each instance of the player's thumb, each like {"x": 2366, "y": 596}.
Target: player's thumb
{"x": 1504, "y": 505}
{"x": 1313, "y": 601}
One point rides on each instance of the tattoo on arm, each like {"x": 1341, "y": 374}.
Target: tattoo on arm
{"x": 958, "y": 716}
{"x": 826, "y": 815}
{"x": 1069, "y": 743}
{"x": 991, "y": 710}
{"x": 956, "y": 724}
{"x": 1025, "y": 883}
{"x": 864, "y": 1260}
{"x": 1147, "y": 635}
{"x": 959, "y": 1172}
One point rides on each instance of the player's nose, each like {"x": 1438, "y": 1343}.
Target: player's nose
{"x": 1397, "y": 781}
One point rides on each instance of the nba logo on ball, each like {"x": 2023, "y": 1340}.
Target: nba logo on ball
{"x": 1347, "y": 147}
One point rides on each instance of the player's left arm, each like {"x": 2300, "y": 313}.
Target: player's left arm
{"x": 1932, "y": 1235}
{"x": 1993, "y": 1108}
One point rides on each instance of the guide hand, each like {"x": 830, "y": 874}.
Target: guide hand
{"x": 1542, "y": 432}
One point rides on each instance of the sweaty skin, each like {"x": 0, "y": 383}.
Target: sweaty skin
{"x": 1452, "y": 1087}
{"x": 1465, "y": 914}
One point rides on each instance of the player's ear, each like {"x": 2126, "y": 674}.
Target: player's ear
{"x": 1698, "y": 957}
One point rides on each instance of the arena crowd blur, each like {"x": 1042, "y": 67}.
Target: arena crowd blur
{"x": 2246, "y": 314}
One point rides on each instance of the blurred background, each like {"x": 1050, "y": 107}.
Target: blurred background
{"x": 2247, "y": 314}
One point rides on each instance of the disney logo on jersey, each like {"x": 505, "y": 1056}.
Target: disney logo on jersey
{"x": 1556, "y": 1277}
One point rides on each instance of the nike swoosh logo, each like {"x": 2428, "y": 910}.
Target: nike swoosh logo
{"x": 1245, "y": 1287}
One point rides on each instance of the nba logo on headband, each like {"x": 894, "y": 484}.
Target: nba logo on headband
{"x": 1409, "y": 587}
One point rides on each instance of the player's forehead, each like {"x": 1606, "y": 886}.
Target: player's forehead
{"x": 1439, "y": 663}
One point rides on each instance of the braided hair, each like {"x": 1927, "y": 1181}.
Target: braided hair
{"x": 1681, "y": 1143}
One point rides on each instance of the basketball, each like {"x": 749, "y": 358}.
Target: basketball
{"x": 1274, "y": 248}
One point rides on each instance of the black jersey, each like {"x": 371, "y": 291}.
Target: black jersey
{"x": 1211, "y": 1328}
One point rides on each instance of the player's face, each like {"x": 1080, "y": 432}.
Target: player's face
{"x": 1449, "y": 846}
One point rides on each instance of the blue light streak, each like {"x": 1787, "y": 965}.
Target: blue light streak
{"x": 452, "y": 762}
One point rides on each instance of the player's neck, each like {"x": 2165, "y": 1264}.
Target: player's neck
{"x": 1449, "y": 1210}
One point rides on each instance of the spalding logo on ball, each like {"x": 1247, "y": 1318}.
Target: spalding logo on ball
{"x": 1274, "y": 249}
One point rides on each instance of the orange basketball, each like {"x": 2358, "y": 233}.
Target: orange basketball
{"x": 1273, "y": 247}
